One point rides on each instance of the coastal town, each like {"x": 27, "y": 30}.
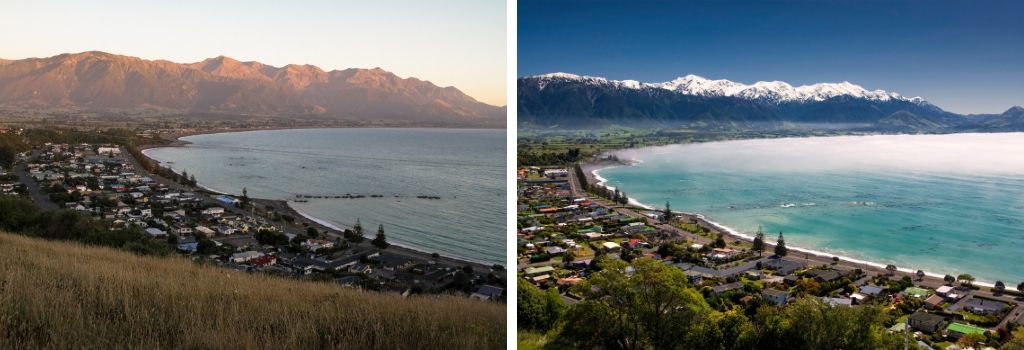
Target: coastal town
{"x": 119, "y": 185}
{"x": 569, "y": 226}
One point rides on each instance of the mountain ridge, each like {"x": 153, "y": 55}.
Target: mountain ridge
{"x": 564, "y": 100}
{"x": 96, "y": 80}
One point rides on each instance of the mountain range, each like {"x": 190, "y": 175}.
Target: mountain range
{"x": 573, "y": 101}
{"x": 99, "y": 81}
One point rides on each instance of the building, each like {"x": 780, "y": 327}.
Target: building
{"x": 776, "y": 296}
{"x": 108, "y": 151}
{"x": 926, "y": 322}
{"x": 783, "y": 266}
{"x": 245, "y": 256}
{"x": 537, "y": 271}
{"x": 984, "y": 306}
{"x": 155, "y": 232}
{"x": 611, "y": 247}
{"x": 488, "y": 292}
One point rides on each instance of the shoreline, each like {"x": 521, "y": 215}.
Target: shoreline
{"x": 285, "y": 206}
{"x": 414, "y": 250}
{"x": 406, "y": 250}
{"x": 591, "y": 170}
{"x": 176, "y": 138}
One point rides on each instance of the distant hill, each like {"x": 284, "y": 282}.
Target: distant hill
{"x": 99, "y": 81}
{"x": 59, "y": 295}
{"x": 572, "y": 101}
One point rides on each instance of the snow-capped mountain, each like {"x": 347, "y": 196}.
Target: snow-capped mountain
{"x": 569, "y": 100}
{"x": 772, "y": 91}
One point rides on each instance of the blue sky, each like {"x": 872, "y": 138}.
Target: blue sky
{"x": 964, "y": 56}
{"x": 457, "y": 43}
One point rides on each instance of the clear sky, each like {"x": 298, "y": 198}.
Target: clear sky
{"x": 963, "y": 56}
{"x": 457, "y": 43}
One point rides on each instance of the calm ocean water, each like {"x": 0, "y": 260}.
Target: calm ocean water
{"x": 942, "y": 203}
{"x": 466, "y": 168}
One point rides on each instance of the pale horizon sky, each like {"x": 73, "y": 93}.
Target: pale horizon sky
{"x": 458, "y": 43}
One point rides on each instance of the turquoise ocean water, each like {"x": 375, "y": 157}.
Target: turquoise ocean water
{"x": 942, "y": 203}
{"x": 466, "y": 168}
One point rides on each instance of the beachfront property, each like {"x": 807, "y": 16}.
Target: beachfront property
{"x": 109, "y": 184}
{"x": 562, "y": 231}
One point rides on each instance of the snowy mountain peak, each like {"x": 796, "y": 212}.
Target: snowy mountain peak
{"x": 773, "y": 91}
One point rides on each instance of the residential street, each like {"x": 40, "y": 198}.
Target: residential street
{"x": 34, "y": 191}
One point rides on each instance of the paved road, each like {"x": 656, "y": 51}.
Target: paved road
{"x": 34, "y": 191}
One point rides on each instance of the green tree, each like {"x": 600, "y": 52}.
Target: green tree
{"x": 356, "y": 235}
{"x": 245, "y": 197}
{"x": 891, "y": 268}
{"x": 536, "y": 309}
{"x": 759, "y": 242}
{"x": 719, "y": 242}
{"x": 667, "y": 214}
{"x": 380, "y": 241}
{"x": 780, "y": 246}
{"x": 999, "y": 288}
{"x": 949, "y": 279}
{"x": 966, "y": 279}
{"x": 920, "y": 275}
{"x": 651, "y": 307}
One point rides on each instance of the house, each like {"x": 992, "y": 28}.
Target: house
{"x": 205, "y": 230}
{"x": 262, "y": 261}
{"x": 611, "y": 247}
{"x": 109, "y": 151}
{"x": 723, "y": 253}
{"x": 554, "y": 250}
{"x": 984, "y": 306}
{"x": 871, "y": 290}
{"x": 182, "y": 230}
{"x": 948, "y": 292}
{"x": 245, "y": 256}
{"x": 776, "y": 296}
{"x": 726, "y": 287}
{"x": 488, "y": 292}
{"x": 822, "y": 276}
{"x": 317, "y": 244}
{"x": 155, "y": 232}
{"x": 783, "y": 266}
{"x": 926, "y": 322}
{"x": 361, "y": 268}
{"x": 228, "y": 200}
{"x": 537, "y": 271}
{"x": 213, "y": 211}
{"x": 934, "y": 302}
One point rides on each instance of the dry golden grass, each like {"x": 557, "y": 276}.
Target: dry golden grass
{"x": 64, "y": 295}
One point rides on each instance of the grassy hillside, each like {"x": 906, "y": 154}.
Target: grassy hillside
{"x": 66, "y": 295}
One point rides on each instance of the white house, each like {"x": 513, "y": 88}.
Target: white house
{"x": 106, "y": 151}
{"x": 245, "y": 256}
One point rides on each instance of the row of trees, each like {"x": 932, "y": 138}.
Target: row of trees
{"x": 540, "y": 157}
{"x": 154, "y": 167}
{"x": 356, "y": 235}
